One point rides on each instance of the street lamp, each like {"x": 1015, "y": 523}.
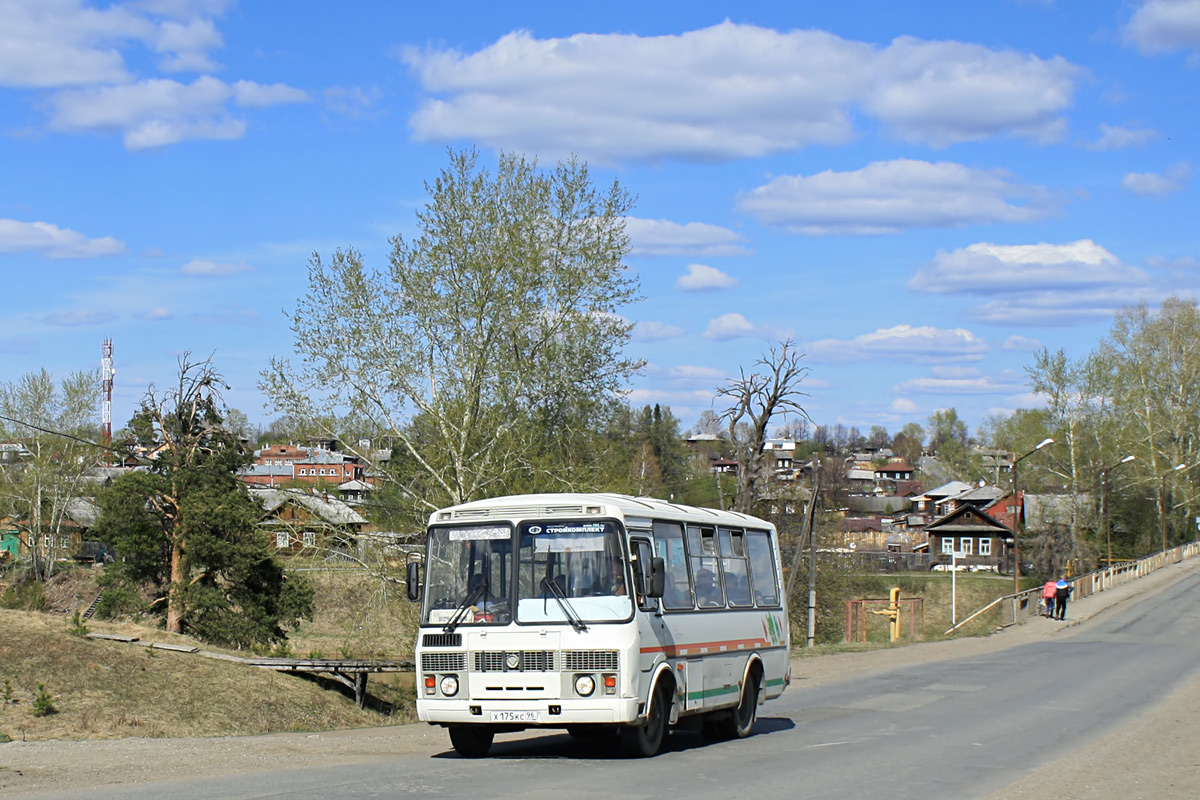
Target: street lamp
{"x": 1162, "y": 516}
{"x": 1017, "y": 507}
{"x": 1104, "y": 501}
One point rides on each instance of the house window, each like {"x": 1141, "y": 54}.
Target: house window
{"x": 303, "y": 471}
{"x": 322, "y": 470}
{"x": 985, "y": 547}
{"x": 947, "y": 545}
{"x": 282, "y": 539}
{"x": 310, "y": 539}
{"x": 966, "y": 545}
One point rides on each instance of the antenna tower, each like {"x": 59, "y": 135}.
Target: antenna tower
{"x": 106, "y": 384}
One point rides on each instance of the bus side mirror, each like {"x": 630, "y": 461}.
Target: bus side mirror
{"x": 658, "y": 577}
{"x": 414, "y": 580}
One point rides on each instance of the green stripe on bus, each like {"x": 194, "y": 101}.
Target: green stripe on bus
{"x": 712, "y": 692}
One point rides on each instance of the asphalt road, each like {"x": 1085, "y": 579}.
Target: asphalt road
{"x": 960, "y": 728}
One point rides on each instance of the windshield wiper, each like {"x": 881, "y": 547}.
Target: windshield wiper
{"x": 561, "y": 597}
{"x": 461, "y": 612}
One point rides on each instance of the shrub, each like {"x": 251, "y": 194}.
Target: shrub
{"x": 76, "y": 626}
{"x": 25, "y": 595}
{"x": 43, "y": 702}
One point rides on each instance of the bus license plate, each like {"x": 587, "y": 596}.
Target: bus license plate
{"x": 515, "y": 716}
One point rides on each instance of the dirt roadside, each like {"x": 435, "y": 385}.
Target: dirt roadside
{"x": 1153, "y": 756}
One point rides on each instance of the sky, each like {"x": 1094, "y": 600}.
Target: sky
{"x": 920, "y": 195}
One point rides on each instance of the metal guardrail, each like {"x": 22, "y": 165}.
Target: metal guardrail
{"x": 1016, "y": 608}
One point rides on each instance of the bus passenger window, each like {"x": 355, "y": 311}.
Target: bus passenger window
{"x": 735, "y": 565}
{"x": 763, "y": 576}
{"x": 668, "y": 545}
{"x": 702, "y": 544}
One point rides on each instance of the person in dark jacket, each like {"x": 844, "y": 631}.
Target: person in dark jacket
{"x": 1062, "y": 591}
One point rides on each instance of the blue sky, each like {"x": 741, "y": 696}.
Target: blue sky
{"x": 920, "y": 195}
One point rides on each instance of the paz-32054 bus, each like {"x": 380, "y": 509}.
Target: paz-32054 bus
{"x": 599, "y": 613}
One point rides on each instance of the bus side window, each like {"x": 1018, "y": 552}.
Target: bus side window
{"x": 764, "y": 579}
{"x": 668, "y": 545}
{"x": 735, "y": 565}
{"x": 706, "y": 574}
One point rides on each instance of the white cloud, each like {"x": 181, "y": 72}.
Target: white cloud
{"x": 1022, "y": 344}
{"x": 157, "y": 314}
{"x": 1163, "y": 26}
{"x": 922, "y": 345}
{"x": 159, "y": 112}
{"x": 78, "y": 318}
{"x": 249, "y": 94}
{"x": 735, "y": 326}
{"x": 660, "y": 237}
{"x": 891, "y": 196}
{"x": 902, "y": 405}
{"x": 986, "y": 268}
{"x": 53, "y": 241}
{"x": 649, "y": 331}
{"x": 1148, "y": 184}
{"x": 212, "y": 269}
{"x": 703, "y": 278}
{"x": 353, "y": 102}
{"x": 185, "y": 45}
{"x": 1046, "y": 284}
{"x": 980, "y": 385}
{"x": 46, "y": 44}
{"x": 1115, "y": 137}
{"x": 729, "y": 91}
{"x": 689, "y": 373}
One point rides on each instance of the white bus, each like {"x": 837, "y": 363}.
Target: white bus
{"x": 599, "y": 613}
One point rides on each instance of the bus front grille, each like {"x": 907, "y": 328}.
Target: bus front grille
{"x": 590, "y": 660}
{"x": 443, "y": 662}
{"x": 514, "y": 661}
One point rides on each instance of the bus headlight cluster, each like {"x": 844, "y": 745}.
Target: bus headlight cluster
{"x": 448, "y": 685}
{"x": 584, "y": 685}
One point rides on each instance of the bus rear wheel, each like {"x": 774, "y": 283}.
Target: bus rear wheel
{"x": 738, "y": 723}
{"x": 645, "y": 740}
{"x": 472, "y": 741}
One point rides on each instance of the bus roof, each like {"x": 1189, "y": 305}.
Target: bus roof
{"x": 584, "y": 504}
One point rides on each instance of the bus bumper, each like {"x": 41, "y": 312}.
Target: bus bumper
{"x": 552, "y": 713}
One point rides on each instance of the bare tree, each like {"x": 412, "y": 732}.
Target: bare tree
{"x": 771, "y": 388}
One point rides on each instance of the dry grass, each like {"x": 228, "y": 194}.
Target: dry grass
{"x": 104, "y": 689}
{"x": 973, "y": 592}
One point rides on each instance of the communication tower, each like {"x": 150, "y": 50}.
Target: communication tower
{"x": 106, "y": 385}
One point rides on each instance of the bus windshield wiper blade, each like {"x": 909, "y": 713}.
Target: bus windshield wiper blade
{"x": 561, "y": 597}
{"x": 461, "y": 612}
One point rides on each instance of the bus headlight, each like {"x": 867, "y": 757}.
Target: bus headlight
{"x": 584, "y": 685}
{"x": 449, "y": 685}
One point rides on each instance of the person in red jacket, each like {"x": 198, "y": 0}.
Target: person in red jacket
{"x": 1048, "y": 592}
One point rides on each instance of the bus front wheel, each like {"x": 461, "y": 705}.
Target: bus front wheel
{"x": 472, "y": 741}
{"x": 645, "y": 740}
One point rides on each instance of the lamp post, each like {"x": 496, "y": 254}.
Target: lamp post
{"x": 1104, "y": 501}
{"x": 1017, "y": 509}
{"x": 1162, "y": 515}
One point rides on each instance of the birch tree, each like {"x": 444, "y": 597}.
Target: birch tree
{"x": 54, "y": 424}
{"x": 488, "y": 343}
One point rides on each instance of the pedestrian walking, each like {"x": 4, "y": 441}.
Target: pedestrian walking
{"x": 1062, "y": 591}
{"x": 1048, "y": 592}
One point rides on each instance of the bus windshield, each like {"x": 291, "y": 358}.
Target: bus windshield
{"x": 468, "y": 575}
{"x": 572, "y": 572}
